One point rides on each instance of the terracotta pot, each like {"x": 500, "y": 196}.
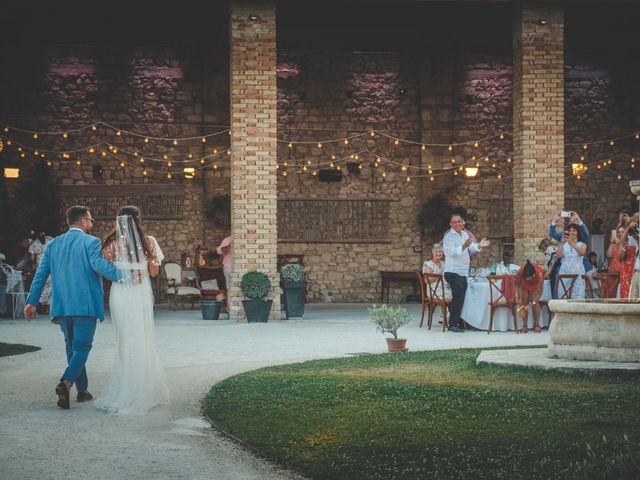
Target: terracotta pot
{"x": 396, "y": 345}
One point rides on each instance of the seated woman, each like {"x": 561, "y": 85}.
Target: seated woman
{"x": 529, "y": 285}
{"x": 436, "y": 265}
{"x": 572, "y": 251}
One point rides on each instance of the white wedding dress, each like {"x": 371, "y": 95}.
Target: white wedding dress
{"x": 138, "y": 382}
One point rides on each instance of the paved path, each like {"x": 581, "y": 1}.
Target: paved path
{"x": 39, "y": 440}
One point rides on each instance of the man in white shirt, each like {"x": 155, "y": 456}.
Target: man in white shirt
{"x": 457, "y": 249}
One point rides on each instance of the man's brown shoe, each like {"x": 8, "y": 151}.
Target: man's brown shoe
{"x": 84, "y": 397}
{"x": 63, "y": 395}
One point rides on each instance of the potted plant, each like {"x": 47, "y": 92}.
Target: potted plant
{"x": 254, "y": 286}
{"x": 295, "y": 288}
{"x": 388, "y": 320}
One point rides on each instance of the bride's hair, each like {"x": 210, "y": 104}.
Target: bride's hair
{"x": 133, "y": 212}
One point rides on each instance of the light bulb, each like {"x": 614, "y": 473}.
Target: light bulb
{"x": 204, "y": 140}
{"x": 35, "y": 136}
{"x": 118, "y": 133}
{"x": 397, "y": 142}
{"x": 346, "y": 141}
{"x": 175, "y": 142}
{"x": 169, "y": 164}
{"x": 93, "y": 127}
{"x": 451, "y": 148}
{"x": 146, "y": 139}
{"x": 121, "y": 164}
{"x": 319, "y": 145}
{"x": 424, "y": 147}
{"x": 64, "y": 135}
{"x": 290, "y": 145}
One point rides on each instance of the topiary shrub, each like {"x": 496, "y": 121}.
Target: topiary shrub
{"x": 255, "y": 285}
{"x": 292, "y": 272}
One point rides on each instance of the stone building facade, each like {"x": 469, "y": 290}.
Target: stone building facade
{"x": 265, "y": 86}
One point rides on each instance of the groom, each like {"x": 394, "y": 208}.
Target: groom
{"x": 74, "y": 261}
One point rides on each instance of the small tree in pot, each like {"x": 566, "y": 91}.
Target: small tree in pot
{"x": 294, "y": 289}
{"x": 388, "y": 320}
{"x": 255, "y": 285}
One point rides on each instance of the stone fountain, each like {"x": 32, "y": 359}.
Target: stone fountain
{"x": 600, "y": 330}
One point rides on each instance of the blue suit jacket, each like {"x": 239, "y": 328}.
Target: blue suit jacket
{"x": 76, "y": 265}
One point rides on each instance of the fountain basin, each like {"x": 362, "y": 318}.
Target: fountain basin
{"x": 595, "y": 330}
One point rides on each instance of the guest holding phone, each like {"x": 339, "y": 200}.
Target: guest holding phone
{"x": 574, "y": 219}
{"x": 572, "y": 253}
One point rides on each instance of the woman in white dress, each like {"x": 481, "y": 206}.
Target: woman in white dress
{"x": 138, "y": 382}
{"x": 36, "y": 250}
{"x": 572, "y": 251}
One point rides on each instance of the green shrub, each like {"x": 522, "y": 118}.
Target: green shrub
{"x": 255, "y": 285}
{"x": 388, "y": 319}
{"x": 292, "y": 272}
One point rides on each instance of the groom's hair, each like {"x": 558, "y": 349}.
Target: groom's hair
{"x": 76, "y": 213}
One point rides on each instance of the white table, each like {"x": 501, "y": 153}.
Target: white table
{"x": 476, "y": 311}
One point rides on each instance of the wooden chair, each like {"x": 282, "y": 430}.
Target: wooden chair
{"x": 589, "y": 291}
{"x": 498, "y": 300}
{"x": 435, "y": 284}
{"x": 424, "y": 295}
{"x": 205, "y": 275}
{"x": 177, "y": 290}
{"x": 608, "y": 283}
{"x": 566, "y": 281}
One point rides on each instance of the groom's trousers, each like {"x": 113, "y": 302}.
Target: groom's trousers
{"x": 78, "y": 337}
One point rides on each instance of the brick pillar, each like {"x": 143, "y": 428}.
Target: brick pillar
{"x": 253, "y": 148}
{"x": 538, "y": 124}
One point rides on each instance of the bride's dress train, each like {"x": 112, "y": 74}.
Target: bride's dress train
{"x": 138, "y": 381}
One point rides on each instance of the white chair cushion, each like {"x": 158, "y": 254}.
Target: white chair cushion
{"x": 184, "y": 291}
{"x": 210, "y": 285}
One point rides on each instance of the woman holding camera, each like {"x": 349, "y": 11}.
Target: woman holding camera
{"x": 572, "y": 252}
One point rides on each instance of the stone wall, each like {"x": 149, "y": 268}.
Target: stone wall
{"x": 154, "y": 92}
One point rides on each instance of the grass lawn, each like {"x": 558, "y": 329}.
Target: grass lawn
{"x": 432, "y": 415}
{"x": 7, "y": 349}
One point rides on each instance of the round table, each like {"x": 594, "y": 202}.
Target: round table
{"x": 476, "y": 309}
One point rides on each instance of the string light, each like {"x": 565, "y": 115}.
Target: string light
{"x": 346, "y": 141}
{"x": 585, "y": 146}
{"x": 290, "y": 145}
{"x": 141, "y": 160}
{"x": 204, "y": 140}
{"x": 169, "y": 176}
{"x": 501, "y": 136}
{"x": 175, "y": 142}
{"x": 475, "y": 144}
{"x": 450, "y": 148}
{"x": 397, "y": 142}
{"x": 35, "y": 136}
{"x": 65, "y": 136}
{"x": 146, "y": 139}
{"x": 612, "y": 143}
{"x": 169, "y": 164}
{"x": 93, "y": 127}
{"x": 121, "y": 164}
{"x": 319, "y": 145}
{"x": 424, "y": 147}
{"x": 118, "y": 133}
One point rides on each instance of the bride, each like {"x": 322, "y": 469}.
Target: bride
{"x": 138, "y": 382}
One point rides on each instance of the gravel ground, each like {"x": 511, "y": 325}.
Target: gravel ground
{"x": 39, "y": 440}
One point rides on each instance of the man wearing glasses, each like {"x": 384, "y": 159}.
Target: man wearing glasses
{"x": 75, "y": 262}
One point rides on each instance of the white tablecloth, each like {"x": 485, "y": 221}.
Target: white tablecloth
{"x": 476, "y": 310}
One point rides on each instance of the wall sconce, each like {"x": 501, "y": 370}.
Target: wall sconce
{"x": 254, "y": 18}
{"x": 189, "y": 172}
{"x": 471, "y": 171}
{"x": 11, "y": 173}
{"x": 578, "y": 168}
{"x": 542, "y": 21}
